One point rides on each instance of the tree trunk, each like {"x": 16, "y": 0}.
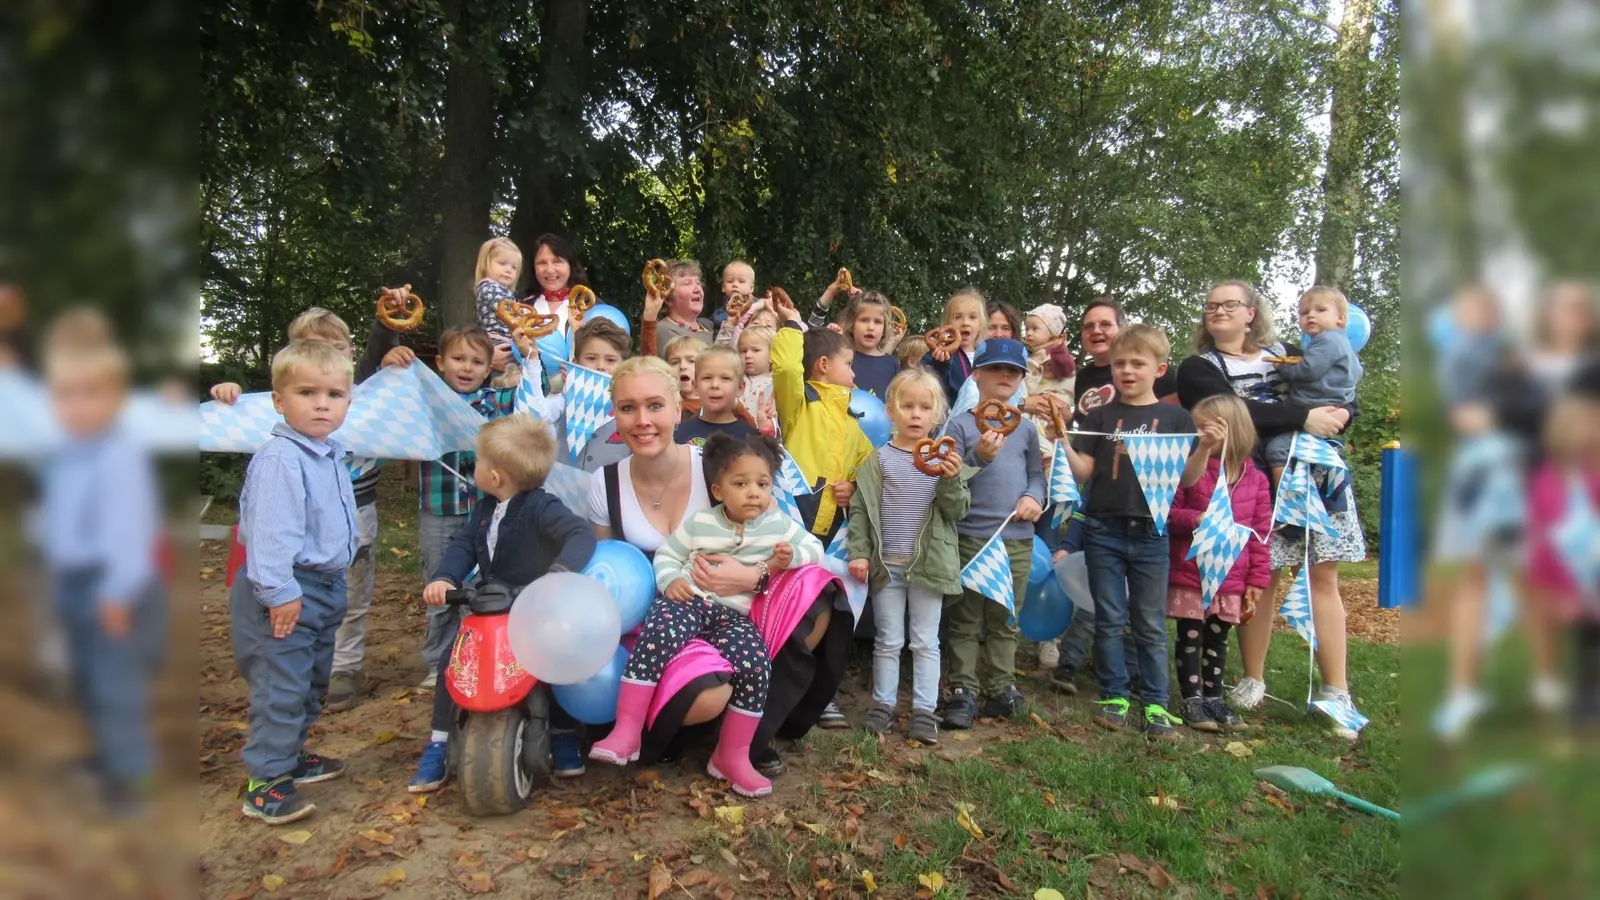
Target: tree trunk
{"x": 549, "y": 177}
{"x": 468, "y": 166}
{"x": 1343, "y": 193}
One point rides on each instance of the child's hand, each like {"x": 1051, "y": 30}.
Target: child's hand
{"x": 652, "y": 306}
{"x": 1029, "y": 510}
{"x": 116, "y": 619}
{"x": 989, "y": 445}
{"x": 941, "y": 354}
{"x": 434, "y": 593}
{"x": 502, "y": 356}
{"x": 951, "y": 467}
{"x": 842, "y": 492}
{"x": 399, "y": 357}
{"x": 283, "y": 618}
{"x": 858, "y": 569}
{"x": 1058, "y": 556}
{"x": 1251, "y": 595}
{"x": 680, "y": 590}
{"x": 836, "y": 328}
{"x": 782, "y": 557}
{"x": 226, "y": 392}
{"x": 1212, "y": 434}
{"x": 527, "y": 346}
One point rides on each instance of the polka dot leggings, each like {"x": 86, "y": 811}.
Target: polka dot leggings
{"x": 672, "y": 624}
{"x": 1201, "y": 651}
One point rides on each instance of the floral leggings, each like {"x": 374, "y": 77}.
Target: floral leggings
{"x": 672, "y": 624}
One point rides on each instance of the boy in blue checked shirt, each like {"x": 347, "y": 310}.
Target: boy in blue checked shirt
{"x": 297, "y": 521}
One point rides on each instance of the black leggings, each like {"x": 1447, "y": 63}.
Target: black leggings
{"x": 1202, "y": 649}
{"x": 672, "y": 624}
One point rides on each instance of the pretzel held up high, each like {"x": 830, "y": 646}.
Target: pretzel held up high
{"x": 996, "y": 415}
{"x": 399, "y": 309}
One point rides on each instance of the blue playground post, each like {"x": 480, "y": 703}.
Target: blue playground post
{"x": 1399, "y": 559}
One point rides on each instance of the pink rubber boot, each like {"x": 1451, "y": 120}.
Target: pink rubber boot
{"x": 621, "y": 746}
{"x": 731, "y": 760}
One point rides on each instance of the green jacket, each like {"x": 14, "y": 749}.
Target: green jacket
{"x": 936, "y": 563}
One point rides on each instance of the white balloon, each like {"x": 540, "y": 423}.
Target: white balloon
{"x": 1073, "y": 573}
{"x": 564, "y": 628}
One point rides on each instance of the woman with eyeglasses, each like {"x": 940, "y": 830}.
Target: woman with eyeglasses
{"x": 1101, "y": 321}
{"x": 1234, "y": 345}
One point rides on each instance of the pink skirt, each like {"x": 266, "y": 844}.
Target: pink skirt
{"x": 1185, "y": 603}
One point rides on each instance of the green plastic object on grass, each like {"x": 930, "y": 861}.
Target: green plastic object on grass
{"x": 1305, "y": 781}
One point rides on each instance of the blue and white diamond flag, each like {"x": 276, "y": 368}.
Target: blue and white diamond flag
{"x": 1315, "y": 450}
{"x": 989, "y": 572}
{"x": 836, "y": 547}
{"x": 1158, "y": 461}
{"x": 790, "y": 483}
{"x": 1577, "y": 541}
{"x": 150, "y": 420}
{"x": 1296, "y": 609}
{"x": 360, "y": 465}
{"x": 530, "y": 395}
{"x": 1063, "y": 487}
{"x": 1344, "y": 713}
{"x": 1300, "y": 503}
{"x": 398, "y": 413}
{"x": 588, "y": 396}
{"x": 1218, "y": 542}
{"x": 570, "y": 485}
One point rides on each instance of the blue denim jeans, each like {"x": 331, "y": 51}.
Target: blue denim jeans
{"x": 1127, "y": 564}
{"x": 287, "y": 676}
{"x": 902, "y": 608}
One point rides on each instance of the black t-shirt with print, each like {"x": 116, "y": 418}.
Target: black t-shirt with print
{"x": 1114, "y": 491}
{"x": 695, "y": 431}
{"x": 1094, "y": 386}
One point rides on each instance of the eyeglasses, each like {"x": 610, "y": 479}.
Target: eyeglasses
{"x": 1224, "y": 306}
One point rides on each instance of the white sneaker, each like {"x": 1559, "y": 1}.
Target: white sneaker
{"x": 1549, "y": 695}
{"x": 1341, "y": 714}
{"x": 430, "y": 682}
{"x": 1049, "y": 655}
{"x": 1248, "y": 693}
{"x": 1455, "y": 715}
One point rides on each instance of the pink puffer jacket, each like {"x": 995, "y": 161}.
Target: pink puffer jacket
{"x": 1252, "y": 506}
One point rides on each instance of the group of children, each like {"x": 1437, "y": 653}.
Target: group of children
{"x": 744, "y": 380}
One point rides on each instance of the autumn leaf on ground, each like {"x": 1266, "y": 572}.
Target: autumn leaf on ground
{"x": 648, "y": 778}
{"x": 396, "y": 875}
{"x": 732, "y": 815}
{"x": 1048, "y": 894}
{"x": 899, "y": 842}
{"x": 1049, "y": 799}
{"x": 272, "y": 882}
{"x": 476, "y": 883}
{"x": 398, "y": 553}
{"x": 1239, "y": 749}
{"x": 295, "y": 837}
{"x": 814, "y": 829}
{"x": 384, "y": 737}
{"x": 1037, "y": 720}
{"x": 965, "y": 821}
{"x": 660, "y": 879}
{"x": 1159, "y": 879}
{"x": 1163, "y": 802}
{"x": 377, "y": 837}
{"x": 933, "y": 881}
{"x": 868, "y": 881}
{"x": 728, "y": 857}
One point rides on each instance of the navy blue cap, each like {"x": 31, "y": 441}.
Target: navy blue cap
{"x": 1002, "y": 352}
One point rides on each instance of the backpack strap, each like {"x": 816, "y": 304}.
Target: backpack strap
{"x": 614, "y": 501}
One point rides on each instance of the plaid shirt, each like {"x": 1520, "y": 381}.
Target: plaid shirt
{"x": 439, "y": 491}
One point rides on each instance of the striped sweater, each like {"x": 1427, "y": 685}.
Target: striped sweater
{"x": 709, "y": 531}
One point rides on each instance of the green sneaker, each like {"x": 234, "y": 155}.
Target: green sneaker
{"x": 1113, "y": 713}
{"x": 275, "y": 802}
{"x": 1160, "y": 725}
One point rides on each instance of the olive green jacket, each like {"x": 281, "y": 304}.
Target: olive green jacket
{"x": 936, "y": 563}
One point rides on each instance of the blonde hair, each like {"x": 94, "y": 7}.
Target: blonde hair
{"x": 309, "y": 354}
{"x": 1259, "y": 334}
{"x": 739, "y": 262}
{"x": 913, "y": 347}
{"x": 486, "y": 255}
{"x": 522, "y": 447}
{"x": 1142, "y": 338}
{"x": 914, "y": 379}
{"x": 962, "y": 298}
{"x": 759, "y": 332}
{"x": 723, "y": 352}
{"x": 647, "y": 365}
{"x": 318, "y": 324}
{"x": 1232, "y": 412}
{"x": 1323, "y": 292}
{"x": 80, "y": 341}
{"x": 684, "y": 342}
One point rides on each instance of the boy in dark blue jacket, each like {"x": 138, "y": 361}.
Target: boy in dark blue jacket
{"x": 517, "y": 534}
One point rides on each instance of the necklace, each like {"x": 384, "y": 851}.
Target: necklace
{"x": 656, "y": 503}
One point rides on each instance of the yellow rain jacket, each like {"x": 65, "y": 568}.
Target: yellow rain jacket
{"x": 818, "y": 429}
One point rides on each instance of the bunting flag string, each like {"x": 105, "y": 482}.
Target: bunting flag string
{"x": 836, "y": 547}
{"x": 989, "y": 572}
{"x": 1577, "y": 541}
{"x": 1219, "y": 540}
{"x": 1316, "y": 451}
{"x": 1158, "y": 462}
{"x": 790, "y": 482}
{"x": 1063, "y": 486}
{"x": 588, "y": 402}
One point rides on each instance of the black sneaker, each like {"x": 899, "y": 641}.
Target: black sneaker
{"x": 959, "y": 709}
{"x": 276, "y": 802}
{"x": 833, "y": 716}
{"x": 1007, "y": 705}
{"x": 1197, "y": 715}
{"x": 767, "y": 761}
{"x": 1113, "y": 713}
{"x": 1065, "y": 680}
{"x": 1224, "y": 715}
{"x": 1159, "y": 725}
{"x": 878, "y": 719}
{"x": 313, "y": 768}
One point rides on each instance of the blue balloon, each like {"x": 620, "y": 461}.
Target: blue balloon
{"x": 1359, "y": 328}
{"x": 607, "y": 311}
{"x": 553, "y": 352}
{"x": 1046, "y": 612}
{"x": 872, "y": 415}
{"x": 628, "y": 576}
{"x": 593, "y": 701}
{"x": 1442, "y": 329}
{"x": 1042, "y": 566}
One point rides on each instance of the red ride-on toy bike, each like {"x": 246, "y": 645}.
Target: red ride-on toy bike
{"x": 500, "y": 748}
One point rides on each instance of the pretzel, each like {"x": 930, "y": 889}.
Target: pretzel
{"x": 897, "y": 318}
{"x": 844, "y": 281}
{"x": 738, "y": 305}
{"x": 13, "y": 308}
{"x": 945, "y": 338}
{"x": 929, "y": 455}
{"x": 399, "y": 309}
{"x": 580, "y": 298}
{"x": 512, "y": 312}
{"x": 995, "y": 415}
{"x": 1055, "y": 419}
{"x": 1282, "y": 360}
{"x": 780, "y": 299}
{"x": 536, "y": 324}
{"x": 656, "y": 278}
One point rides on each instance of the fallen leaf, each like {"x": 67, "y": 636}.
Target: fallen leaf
{"x": 295, "y": 837}
{"x": 814, "y": 829}
{"x": 1159, "y": 879}
{"x": 733, "y": 815}
{"x": 965, "y": 821}
{"x": 476, "y": 883}
{"x": 537, "y": 852}
{"x": 1048, "y": 894}
{"x": 697, "y": 877}
{"x": 637, "y": 857}
{"x": 396, "y": 875}
{"x": 272, "y": 882}
{"x": 1163, "y": 802}
{"x": 933, "y": 881}
{"x": 647, "y": 778}
{"x": 377, "y": 837}
{"x": 867, "y": 880}
{"x": 398, "y": 553}
{"x": 1239, "y": 749}
{"x": 422, "y": 801}
{"x": 728, "y": 857}
{"x": 384, "y": 737}
{"x": 660, "y": 879}
{"x": 899, "y": 842}
{"x": 1034, "y": 717}
{"x": 961, "y": 737}
{"x": 1049, "y": 800}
